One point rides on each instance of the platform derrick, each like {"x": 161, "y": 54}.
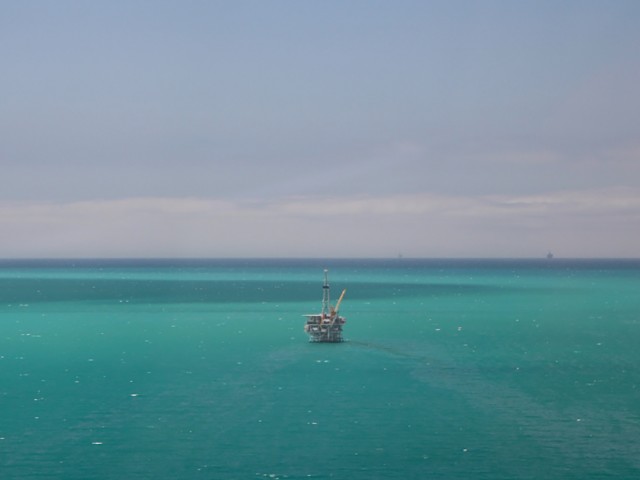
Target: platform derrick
{"x": 326, "y": 326}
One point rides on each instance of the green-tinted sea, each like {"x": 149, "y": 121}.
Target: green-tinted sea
{"x": 200, "y": 369}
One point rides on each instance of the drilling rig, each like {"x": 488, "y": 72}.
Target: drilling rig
{"x": 326, "y": 326}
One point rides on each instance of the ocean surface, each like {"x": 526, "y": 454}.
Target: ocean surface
{"x": 200, "y": 369}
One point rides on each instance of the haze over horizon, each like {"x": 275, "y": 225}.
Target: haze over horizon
{"x": 319, "y": 129}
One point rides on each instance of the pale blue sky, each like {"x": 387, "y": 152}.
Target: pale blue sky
{"x": 211, "y": 128}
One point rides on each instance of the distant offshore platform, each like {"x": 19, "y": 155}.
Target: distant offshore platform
{"x": 326, "y": 326}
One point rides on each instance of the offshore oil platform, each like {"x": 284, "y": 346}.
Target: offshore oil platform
{"x": 326, "y": 326}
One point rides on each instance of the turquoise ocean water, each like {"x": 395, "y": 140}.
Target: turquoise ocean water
{"x": 200, "y": 369}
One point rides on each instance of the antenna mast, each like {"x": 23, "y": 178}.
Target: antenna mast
{"x": 326, "y": 305}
